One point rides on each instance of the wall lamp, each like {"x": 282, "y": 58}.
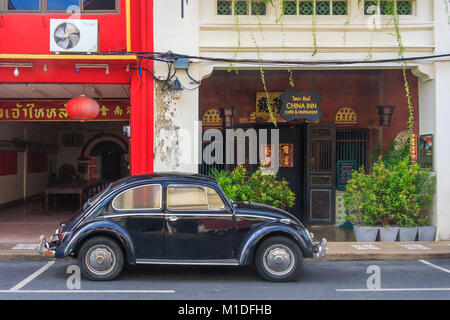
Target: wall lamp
{"x": 16, "y": 66}
{"x": 227, "y": 114}
{"x": 175, "y": 88}
{"x": 384, "y": 115}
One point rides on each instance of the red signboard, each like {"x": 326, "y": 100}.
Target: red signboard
{"x": 413, "y": 146}
{"x": 110, "y": 110}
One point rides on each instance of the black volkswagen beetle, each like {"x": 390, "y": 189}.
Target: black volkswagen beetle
{"x": 180, "y": 219}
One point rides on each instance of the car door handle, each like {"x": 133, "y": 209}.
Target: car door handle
{"x": 172, "y": 218}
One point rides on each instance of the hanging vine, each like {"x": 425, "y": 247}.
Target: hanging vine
{"x": 389, "y": 8}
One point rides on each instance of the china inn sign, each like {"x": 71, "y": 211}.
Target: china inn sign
{"x": 110, "y": 110}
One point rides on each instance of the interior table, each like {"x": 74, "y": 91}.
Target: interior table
{"x": 80, "y": 188}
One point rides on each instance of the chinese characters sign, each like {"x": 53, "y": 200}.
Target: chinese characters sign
{"x": 286, "y": 155}
{"x": 110, "y": 110}
{"x": 300, "y": 105}
{"x": 264, "y": 105}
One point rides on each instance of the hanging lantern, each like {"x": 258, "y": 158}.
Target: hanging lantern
{"x": 82, "y": 108}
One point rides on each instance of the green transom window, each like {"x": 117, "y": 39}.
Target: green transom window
{"x": 388, "y": 7}
{"x": 322, "y": 8}
{"x": 241, "y": 8}
{"x": 290, "y": 7}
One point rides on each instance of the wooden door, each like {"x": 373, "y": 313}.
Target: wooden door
{"x": 321, "y": 173}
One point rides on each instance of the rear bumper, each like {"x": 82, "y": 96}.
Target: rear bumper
{"x": 320, "y": 248}
{"x": 44, "y": 248}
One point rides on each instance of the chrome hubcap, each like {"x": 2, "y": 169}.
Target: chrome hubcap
{"x": 278, "y": 259}
{"x": 100, "y": 259}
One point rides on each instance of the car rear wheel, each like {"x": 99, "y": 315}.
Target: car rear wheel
{"x": 279, "y": 259}
{"x": 100, "y": 258}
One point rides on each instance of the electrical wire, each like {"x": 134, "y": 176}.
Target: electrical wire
{"x": 165, "y": 57}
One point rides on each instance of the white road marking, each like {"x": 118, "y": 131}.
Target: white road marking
{"x": 25, "y": 246}
{"x": 434, "y": 266}
{"x": 88, "y": 291}
{"x": 31, "y": 277}
{"x": 393, "y": 289}
{"x": 414, "y": 247}
{"x": 365, "y": 247}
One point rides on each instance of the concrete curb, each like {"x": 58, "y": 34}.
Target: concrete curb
{"x": 386, "y": 256}
{"x": 337, "y": 251}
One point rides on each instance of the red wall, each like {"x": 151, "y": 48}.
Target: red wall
{"x": 29, "y": 33}
{"x": 362, "y": 90}
{"x": 141, "y": 141}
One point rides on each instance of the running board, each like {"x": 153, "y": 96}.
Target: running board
{"x": 226, "y": 262}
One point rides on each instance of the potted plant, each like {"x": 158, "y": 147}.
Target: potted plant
{"x": 361, "y": 199}
{"x": 394, "y": 196}
{"x": 409, "y": 196}
{"x": 426, "y": 233}
{"x": 388, "y": 233}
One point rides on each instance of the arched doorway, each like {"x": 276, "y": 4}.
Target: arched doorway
{"x": 111, "y": 164}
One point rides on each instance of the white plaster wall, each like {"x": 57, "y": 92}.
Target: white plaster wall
{"x": 442, "y": 150}
{"x": 203, "y": 32}
{"x": 338, "y": 37}
{"x": 178, "y": 134}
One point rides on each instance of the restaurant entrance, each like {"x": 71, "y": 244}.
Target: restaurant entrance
{"x": 311, "y": 171}
{"x": 317, "y": 155}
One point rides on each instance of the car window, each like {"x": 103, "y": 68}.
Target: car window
{"x": 139, "y": 198}
{"x": 214, "y": 200}
{"x": 185, "y": 197}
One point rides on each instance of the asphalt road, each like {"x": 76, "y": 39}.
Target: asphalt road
{"x": 411, "y": 279}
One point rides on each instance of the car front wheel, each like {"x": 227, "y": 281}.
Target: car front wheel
{"x": 279, "y": 259}
{"x": 100, "y": 258}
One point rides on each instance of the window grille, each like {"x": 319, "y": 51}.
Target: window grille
{"x": 385, "y": 7}
{"x": 241, "y": 8}
{"x": 352, "y": 145}
{"x": 323, "y": 8}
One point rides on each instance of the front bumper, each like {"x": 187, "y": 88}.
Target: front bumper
{"x": 44, "y": 248}
{"x": 320, "y": 248}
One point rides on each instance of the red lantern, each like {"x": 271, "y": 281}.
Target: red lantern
{"x": 82, "y": 108}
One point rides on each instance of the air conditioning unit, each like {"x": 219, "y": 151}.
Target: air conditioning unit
{"x": 73, "y": 35}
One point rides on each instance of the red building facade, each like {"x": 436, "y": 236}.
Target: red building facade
{"x": 25, "y": 46}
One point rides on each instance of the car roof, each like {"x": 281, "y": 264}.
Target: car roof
{"x": 165, "y": 176}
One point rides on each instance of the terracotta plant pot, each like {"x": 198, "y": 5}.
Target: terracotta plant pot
{"x": 407, "y": 233}
{"x": 365, "y": 234}
{"x": 427, "y": 233}
{"x": 388, "y": 234}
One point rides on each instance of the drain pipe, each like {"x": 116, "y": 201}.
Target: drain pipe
{"x": 25, "y": 165}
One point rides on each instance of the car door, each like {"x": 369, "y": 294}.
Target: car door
{"x": 199, "y": 224}
{"x": 140, "y": 211}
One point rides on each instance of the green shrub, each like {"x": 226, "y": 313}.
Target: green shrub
{"x": 393, "y": 193}
{"x": 258, "y": 187}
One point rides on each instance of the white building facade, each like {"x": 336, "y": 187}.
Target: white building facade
{"x": 339, "y": 31}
